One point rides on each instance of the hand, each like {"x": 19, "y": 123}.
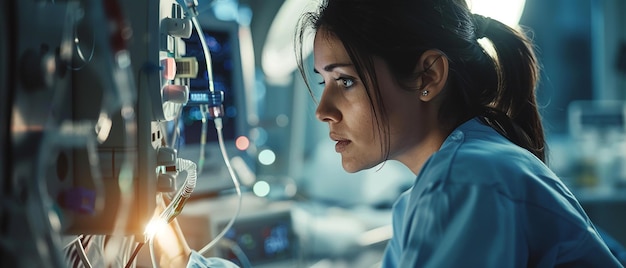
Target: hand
{"x": 171, "y": 248}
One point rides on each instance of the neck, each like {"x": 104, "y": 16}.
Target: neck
{"x": 415, "y": 157}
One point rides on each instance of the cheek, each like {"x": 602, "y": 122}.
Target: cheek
{"x": 367, "y": 122}
{"x": 399, "y": 123}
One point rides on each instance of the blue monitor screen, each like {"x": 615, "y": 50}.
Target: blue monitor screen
{"x": 220, "y": 44}
{"x": 262, "y": 240}
{"x": 223, "y": 45}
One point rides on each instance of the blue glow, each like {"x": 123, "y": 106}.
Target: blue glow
{"x": 267, "y": 157}
{"x": 261, "y": 188}
{"x": 195, "y": 113}
{"x": 225, "y": 10}
{"x": 231, "y": 111}
{"x": 278, "y": 241}
{"x": 245, "y": 15}
{"x": 259, "y": 136}
{"x": 199, "y": 97}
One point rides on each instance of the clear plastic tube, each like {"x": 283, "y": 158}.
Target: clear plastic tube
{"x": 69, "y": 244}
{"x": 205, "y": 123}
{"x": 203, "y": 108}
{"x": 192, "y": 7}
{"x": 176, "y": 206}
{"x": 220, "y": 136}
{"x": 82, "y": 254}
{"x": 155, "y": 263}
{"x": 237, "y": 251}
{"x": 205, "y": 51}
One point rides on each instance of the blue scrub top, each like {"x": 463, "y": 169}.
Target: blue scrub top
{"x": 198, "y": 261}
{"x": 482, "y": 201}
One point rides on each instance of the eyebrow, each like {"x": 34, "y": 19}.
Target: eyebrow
{"x": 332, "y": 66}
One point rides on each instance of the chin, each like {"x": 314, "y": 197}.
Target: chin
{"x": 352, "y": 167}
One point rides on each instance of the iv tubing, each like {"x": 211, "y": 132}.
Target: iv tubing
{"x": 153, "y": 258}
{"x": 175, "y": 207}
{"x": 192, "y": 6}
{"x": 205, "y": 50}
{"x": 209, "y": 68}
{"x": 82, "y": 254}
{"x": 203, "y": 111}
{"x": 177, "y": 204}
{"x": 218, "y": 127}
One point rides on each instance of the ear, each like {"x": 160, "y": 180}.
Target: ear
{"x": 433, "y": 66}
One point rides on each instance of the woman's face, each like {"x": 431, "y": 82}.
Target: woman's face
{"x": 346, "y": 108}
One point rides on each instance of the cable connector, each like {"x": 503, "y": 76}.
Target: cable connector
{"x": 209, "y": 100}
{"x": 216, "y": 109}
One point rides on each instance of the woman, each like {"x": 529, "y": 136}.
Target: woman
{"x": 408, "y": 81}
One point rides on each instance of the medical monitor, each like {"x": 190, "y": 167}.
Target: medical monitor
{"x": 266, "y": 239}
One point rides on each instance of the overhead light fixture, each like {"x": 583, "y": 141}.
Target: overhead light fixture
{"x": 278, "y": 59}
{"x": 508, "y": 12}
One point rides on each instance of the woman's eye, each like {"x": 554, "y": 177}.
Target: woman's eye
{"x": 346, "y": 82}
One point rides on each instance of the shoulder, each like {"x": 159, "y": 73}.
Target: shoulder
{"x": 483, "y": 157}
{"x": 476, "y": 153}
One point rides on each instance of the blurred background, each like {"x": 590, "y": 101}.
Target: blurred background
{"x": 144, "y": 85}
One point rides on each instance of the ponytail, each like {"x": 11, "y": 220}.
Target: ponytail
{"x": 498, "y": 89}
{"x": 513, "y": 111}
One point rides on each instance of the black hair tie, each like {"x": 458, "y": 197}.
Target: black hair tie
{"x": 481, "y": 23}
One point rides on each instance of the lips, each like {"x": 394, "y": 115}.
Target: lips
{"x": 341, "y": 144}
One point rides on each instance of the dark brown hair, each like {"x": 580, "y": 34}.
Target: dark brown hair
{"x": 499, "y": 89}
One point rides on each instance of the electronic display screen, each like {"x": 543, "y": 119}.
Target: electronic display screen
{"x": 221, "y": 47}
{"x": 262, "y": 240}
{"x": 223, "y": 44}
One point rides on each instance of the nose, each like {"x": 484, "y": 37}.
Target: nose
{"x": 327, "y": 109}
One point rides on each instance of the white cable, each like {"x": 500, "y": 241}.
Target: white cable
{"x": 81, "y": 253}
{"x": 203, "y": 108}
{"x": 218, "y": 127}
{"x": 190, "y": 182}
{"x": 69, "y": 244}
{"x": 155, "y": 264}
{"x": 176, "y": 206}
{"x": 237, "y": 251}
{"x": 205, "y": 50}
{"x": 178, "y": 202}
